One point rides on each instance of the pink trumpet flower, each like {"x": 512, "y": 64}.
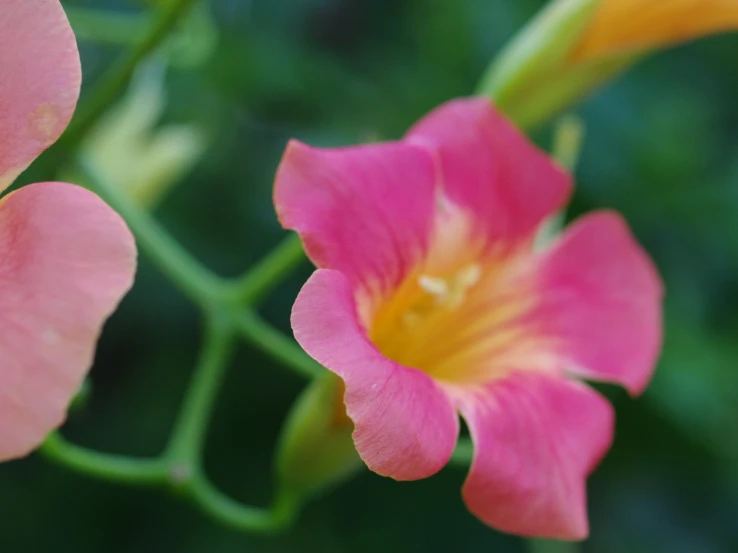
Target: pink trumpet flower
{"x": 431, "y": 300}
{"x": 66, "y": 258}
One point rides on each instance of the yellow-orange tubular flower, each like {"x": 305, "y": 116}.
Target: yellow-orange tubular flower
{"x": 621, "y": 26}
{"x": 573, "y": 46}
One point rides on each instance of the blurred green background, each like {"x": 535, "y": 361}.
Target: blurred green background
{"x": 662, "y": 148}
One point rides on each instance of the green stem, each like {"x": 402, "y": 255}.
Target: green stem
{"x": 567, "y": 148}
{"x": 207, "y": 289}
{"x": 261, "y": 279}
{"x": 242, "y": 517}
{"x": 116, "y": 468}
{"x": 112, "y": 84}
{"x": 271, "y": 341}
{"x": 568, "y": 141}
{"x": 184, "y": 454}
{"x": 173, "y": 260}
{"x": 188, "y": 438}
{"x": 181, "y": 466}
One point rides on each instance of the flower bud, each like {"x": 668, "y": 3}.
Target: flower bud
{"x": 573, "y": 46}
{"x": 316, "y": 450}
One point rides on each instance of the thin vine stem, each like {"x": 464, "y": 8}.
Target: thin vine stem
{"x": 266, "y": 275}
{"x": 116, "y": 468}
{"x": 188, "y": 274}
{"x": 238, "y": 516}
{"x": 273, "y": 342}
{"x": 207, "y": 289}
{"x": 184, "y": 454}
{"x": 188, "y": 438}
{"x": 229, "y": 312}
{"x": 181, "y": 466}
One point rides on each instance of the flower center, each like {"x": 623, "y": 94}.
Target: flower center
{"x": 463, "y": 315}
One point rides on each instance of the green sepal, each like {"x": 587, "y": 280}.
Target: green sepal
{"x": 540, "y": 46}
{"x": 536, "y": 77}
{"x": 316, "y": 449}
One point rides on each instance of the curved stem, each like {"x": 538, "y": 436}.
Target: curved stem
{"x": 184, "y": 454}
{"x": 181, "y": 466}
{"x": 188, "y": 438}
{"x": 173, "y": 260}
{"x": 117, "y": 468}
{"x": 112, "y": 84}
{"x": 261, "y": 279}
{"x": 243, "y": 517}
{"x": 271, "y": 341}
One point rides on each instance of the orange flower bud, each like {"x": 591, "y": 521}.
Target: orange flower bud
{"x": 574, "y": 46}
{"x": 623, "y": 26}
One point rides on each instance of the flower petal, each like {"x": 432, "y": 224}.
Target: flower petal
{"x": 66, "y": 259}
{"x": 601, "y": 297}
{"x": 41, "y": 76}
{"x": 536, "y": 440}
{"x": 491, "y": 169}
{"x": 366, "y": 211}
{"x": 405, "y": 425}
{"x": 620, "y": 26}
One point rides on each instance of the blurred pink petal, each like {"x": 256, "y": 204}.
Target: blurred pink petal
{"x": 405, "y": 425}
{"x": 41, "y": 76}
{"x": 536, "y": 440}
{"x": 66, "y": 260}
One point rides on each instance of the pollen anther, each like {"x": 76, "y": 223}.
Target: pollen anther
{"x": 451, "y": 294}
{"x": 434, "y": 286}
{"x": 464, "y": 280}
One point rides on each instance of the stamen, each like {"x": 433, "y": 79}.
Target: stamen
{"x": 453, "y": 294}
{"x": 468, "y": 277}
{"x": 434, "y": 286}
{"x": 463, "y": 281}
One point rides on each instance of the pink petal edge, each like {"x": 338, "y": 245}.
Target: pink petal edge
{"x": 366, "y": 211}
{"x": 602, "y": 299}
{"x": 491, "y": 168}
{"x": 66, "y": 260}
{"x": 536, "y": 440}
{"x": 405, "y": 424}
{"x": 41, "y": 73}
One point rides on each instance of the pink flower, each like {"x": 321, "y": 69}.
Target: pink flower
{"x": 66, "y": 259}
{"x": 430, "y": 300}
